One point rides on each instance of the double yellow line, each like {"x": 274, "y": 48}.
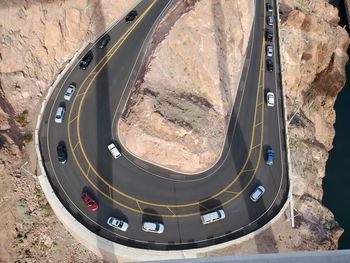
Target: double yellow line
{"x": 94, "y": 74}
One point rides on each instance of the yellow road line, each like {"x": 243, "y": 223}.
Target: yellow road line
{"x": 75, "y": 146}
{"x": 160, "y": 205}
{"x": 171, "y": 211}
{"x": 231, "y": 192}
{"x": 74, "y": 119}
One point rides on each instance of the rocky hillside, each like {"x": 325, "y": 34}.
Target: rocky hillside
{"x": 314, "y": 70}
{"x": 191, "y": 81}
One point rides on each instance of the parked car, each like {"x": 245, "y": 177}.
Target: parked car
{"x": 269, "y": 7}
{"x": 117, "y": 223}
{"x": 61, "y": 152}
{"x": 131, "y": 16}
{"x": 269, "y": 20}
{"x": 268, "y": 35}
{"x": 85, "y": 62}
{"x": 269, "y": 50}
{"x": 270, "y": 99}
{"x": 270, "y": 155}
{"x": 60, "y": 114}
{"x": 257, "y": 193}
{"x": 104, "y": 41}
{"x": 269, "y": 65}
{"x": 152, "y": 227}
{"x": 213, "y": 216}
{"x": 89, "y": 201}
{"x": 69, "y": 92}
{"x": 114, "y": 150}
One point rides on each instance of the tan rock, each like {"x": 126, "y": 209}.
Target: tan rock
{"x": 191, "y": 81}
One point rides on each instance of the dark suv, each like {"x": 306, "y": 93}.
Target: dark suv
{"x": 104, "y": 41}
{"x": 84, "y": 63}
{"x": 269, "y": 65}
{"x": 268, "y": 35}
{"x": 61, "y": 152}
{"x": 131, "y": 16}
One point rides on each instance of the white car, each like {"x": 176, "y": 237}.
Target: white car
{"x": 60, "y": 114}
{"x": 257, "y": 193}
{"x": 117, "y": 223}
{"x": 153, "y": 227}
{"x": 270, "y": 99}
{"x": 269, "y": 50}
{"x": 213, "y": 216}
{"x": 114, "y": 150}
{"x": 70, "y": 91}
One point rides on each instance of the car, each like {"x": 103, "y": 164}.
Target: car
{"x": 104, "y": 41}
{"x": 131, "y": 16}
{"x": 269, "y": 20}
{"x": 270, "y": 99}
{"x": 61, "y": 152}
{"x": 269, "y": 65}
{"x": 269, "y": 35}
{"x": 153, "y": 227}
{"x": 269, "y": 7}
{"x": 269, "y": 50}
{"x": 257, "y": 193}
{"x": 213, "y": 216}
{"x": 270, "y": 155}
{"x": 60, "y": 114}
{"x": 69, "y": 92}
{"x": 89, "y": 201}
{"x": 86, "y": 60}
{"x": 114, "y": 150}
{"x": 117, "y": 223}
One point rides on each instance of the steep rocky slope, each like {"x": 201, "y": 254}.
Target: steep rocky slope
{"x": 191, "y": 81}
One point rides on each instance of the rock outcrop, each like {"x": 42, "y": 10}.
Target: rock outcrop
{"x": 178, "y": 116}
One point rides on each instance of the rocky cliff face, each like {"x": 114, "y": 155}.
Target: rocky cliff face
{"x": 178, "y": 116}
{"x": 314, "y": 56}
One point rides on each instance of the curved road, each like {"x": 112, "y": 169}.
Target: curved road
{"x": 137, "y": 191}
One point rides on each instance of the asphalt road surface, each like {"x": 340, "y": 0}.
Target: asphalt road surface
{"x": 136, "y": 191}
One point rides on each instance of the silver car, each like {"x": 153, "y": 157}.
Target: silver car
{"x": 257, "y": 193}
{"x": 70, "y": 91}
{"x": 117, "y": 223}
{"x": 269, "y": 50}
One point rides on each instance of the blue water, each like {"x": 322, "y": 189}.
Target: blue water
{"x": 336, "y": 184}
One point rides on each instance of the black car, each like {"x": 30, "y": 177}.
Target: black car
{"x": 104, "y": 41}
{"x": 269, "y": 7}
{"x": 131, "y": 16}
{"x": 62, "y": 152}
{"x": 269, "y": 65}
{"x": 268, "y": 35}
{"x": 84, "y": 63}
